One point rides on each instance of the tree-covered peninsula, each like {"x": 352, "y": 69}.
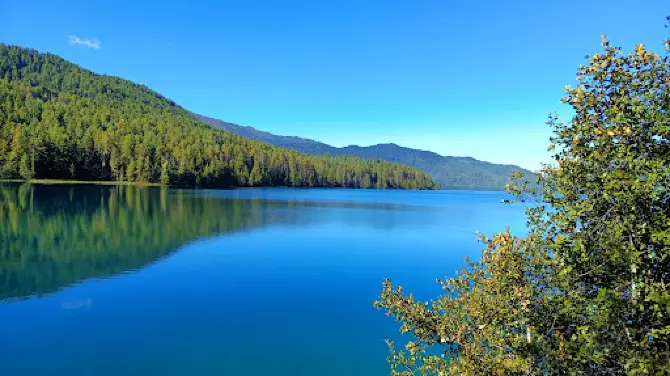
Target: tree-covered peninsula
{"x": 60, "y": 121}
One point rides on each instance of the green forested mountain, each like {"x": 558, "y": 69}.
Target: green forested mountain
{"x": 60, "y": 121}
{"x": 449, "y": 172}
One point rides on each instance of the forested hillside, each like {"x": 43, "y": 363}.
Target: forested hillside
{"x": 60, "y": 121}
{"x": 449, "y": 172}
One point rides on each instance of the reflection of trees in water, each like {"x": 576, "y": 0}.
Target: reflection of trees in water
{"x": 54, "y": 236}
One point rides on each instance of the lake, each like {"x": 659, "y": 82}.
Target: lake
{"x": 122, "y": 280}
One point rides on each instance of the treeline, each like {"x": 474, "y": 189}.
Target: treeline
{"x": 59, "y": 121}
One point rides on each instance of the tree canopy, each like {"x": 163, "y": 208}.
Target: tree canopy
{"x": 587, "y": 291}
{"x": 59, "y": 121}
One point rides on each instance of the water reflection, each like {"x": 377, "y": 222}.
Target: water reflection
{"x": 81, "y": 304}
{"x": 52, "y": 236}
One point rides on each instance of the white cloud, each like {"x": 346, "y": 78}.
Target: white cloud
{"x": 86, "y": 42}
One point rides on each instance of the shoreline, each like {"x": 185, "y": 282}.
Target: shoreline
{"x": 81, "y": 182}
{"x": 148, "y": 184}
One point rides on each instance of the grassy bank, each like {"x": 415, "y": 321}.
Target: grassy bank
{"x": 89, "y": 182}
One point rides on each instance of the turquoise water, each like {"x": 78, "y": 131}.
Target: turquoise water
{"x": 101, "y": 280}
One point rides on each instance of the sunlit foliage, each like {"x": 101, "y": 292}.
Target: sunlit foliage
{"x": 587, "y": 291}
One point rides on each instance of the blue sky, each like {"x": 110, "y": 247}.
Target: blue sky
{"x": 465, "y": 78}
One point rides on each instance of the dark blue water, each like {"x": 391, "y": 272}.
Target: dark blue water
{"x": 149, "y": 281}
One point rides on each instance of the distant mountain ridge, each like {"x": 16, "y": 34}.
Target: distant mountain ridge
{"x": 449, "y": 172}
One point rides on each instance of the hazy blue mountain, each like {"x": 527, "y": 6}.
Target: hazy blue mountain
{"x": 449, "y": 172}
{"x": 305, "y": 145}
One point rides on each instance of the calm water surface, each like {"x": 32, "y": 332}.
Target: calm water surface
{"x": 99, "y": 280}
